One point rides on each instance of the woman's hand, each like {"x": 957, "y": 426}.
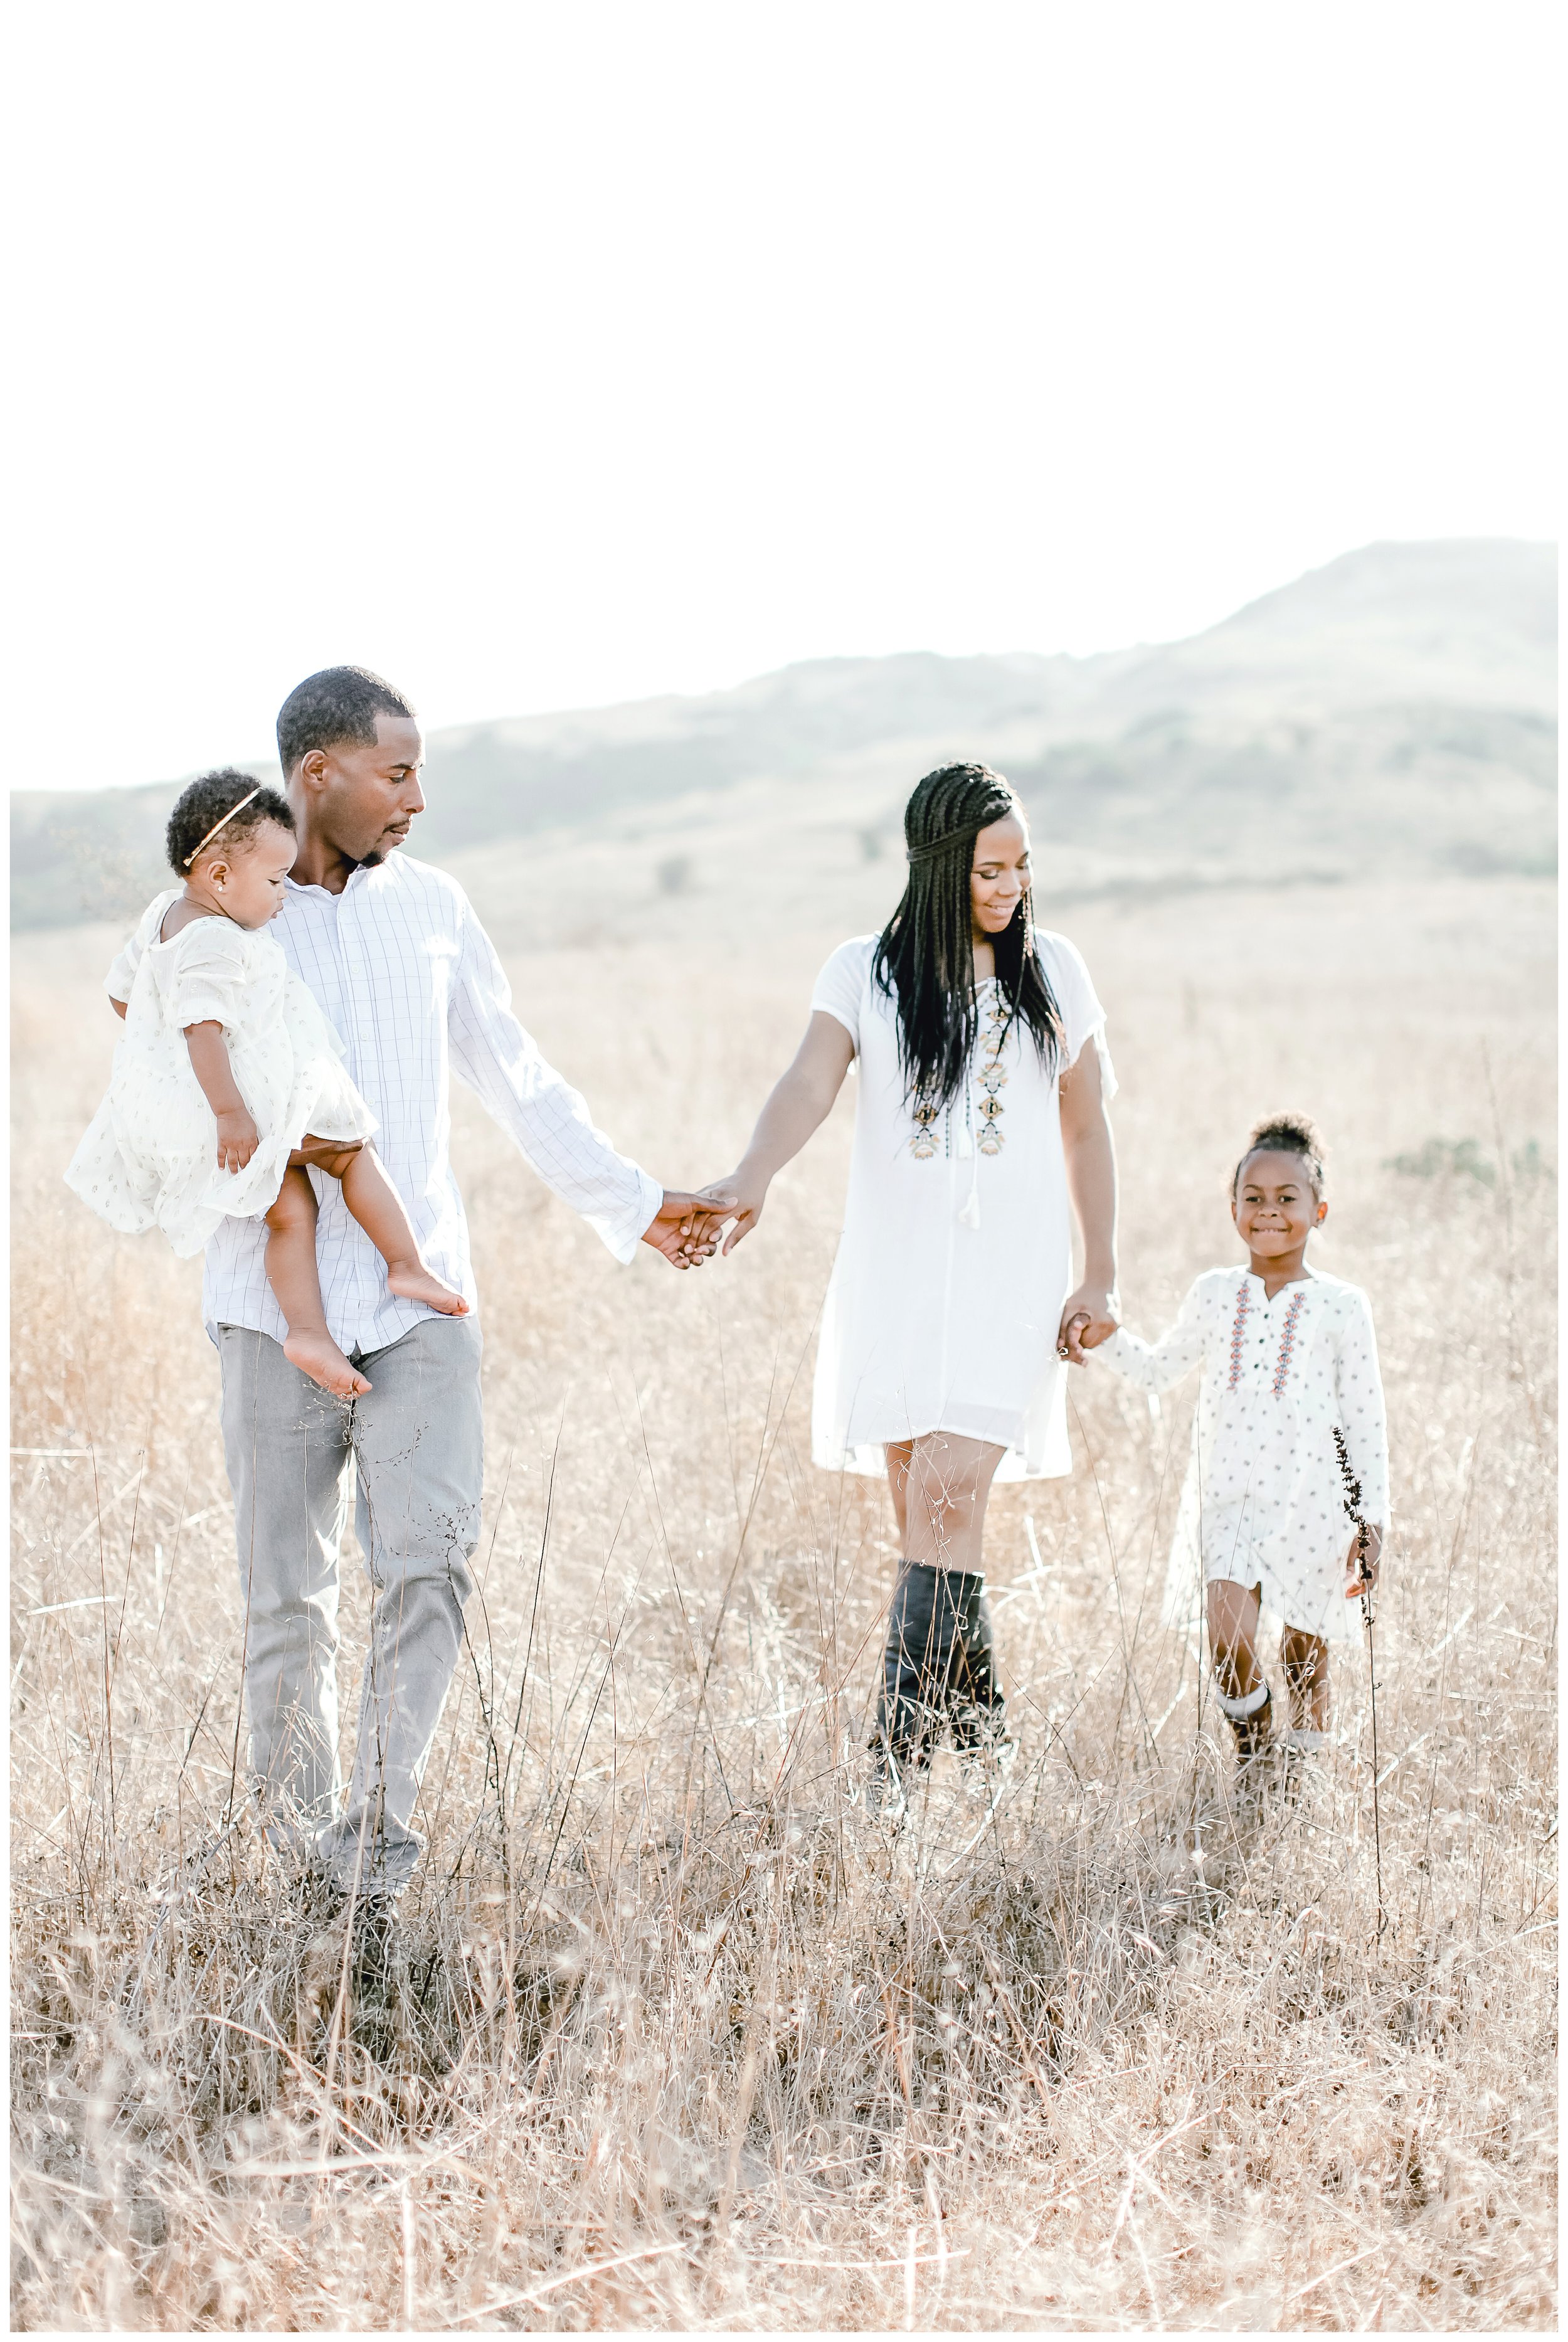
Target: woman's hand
{"x": 238, "y": 1138}
{"x": 740, "y": 1198}
{"x": 1088, "y": 1318}
{"x": 797, "y": 1103}
{"x": 1088, "y": 1155}
{"x": 1360, "y": 1562}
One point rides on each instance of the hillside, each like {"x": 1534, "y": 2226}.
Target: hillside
{"x": 1394, "y": 711}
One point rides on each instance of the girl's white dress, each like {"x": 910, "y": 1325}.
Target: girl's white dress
{"x": 1263, "y": 1502}
{"x": 149, "y": 1156}
{"x": 957, "y": 1250}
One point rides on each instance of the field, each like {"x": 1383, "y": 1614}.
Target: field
{"x": 685, "y": 2042}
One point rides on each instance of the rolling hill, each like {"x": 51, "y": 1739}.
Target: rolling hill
{"x": 1393, "y": 712}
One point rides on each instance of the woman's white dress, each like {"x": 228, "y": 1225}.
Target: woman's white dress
{"x": 1263, "y": 1502}
{"x": 956, "y": 1254}
{"x": 149, "y": 1156}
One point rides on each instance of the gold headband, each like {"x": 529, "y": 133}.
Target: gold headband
{"x": 218, "y": 824}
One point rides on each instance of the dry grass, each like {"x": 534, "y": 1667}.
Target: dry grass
{"x": 685, "y": 2043}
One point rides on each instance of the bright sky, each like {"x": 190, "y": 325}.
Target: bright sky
{"x": 542, "y": 355}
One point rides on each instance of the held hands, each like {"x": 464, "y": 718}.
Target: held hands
{"x": 1088, "y": 1318}
{"x": 685, "y": 1229}
{"x": 1360, "y": 1562}
{"x": 238, "y": 1138}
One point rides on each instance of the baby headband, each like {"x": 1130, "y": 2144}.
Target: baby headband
{"x": 228, "y": 817}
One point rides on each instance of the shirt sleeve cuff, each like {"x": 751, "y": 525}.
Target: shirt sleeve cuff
{"x": 650, "y": 1195}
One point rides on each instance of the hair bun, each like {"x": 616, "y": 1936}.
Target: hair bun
{"x": 1286, "y": 1133}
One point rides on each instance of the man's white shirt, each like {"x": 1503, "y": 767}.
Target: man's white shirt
{"x": 411, "y": 984}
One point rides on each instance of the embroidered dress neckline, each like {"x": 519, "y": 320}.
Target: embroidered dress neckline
{"x": 1251, "y": 1277}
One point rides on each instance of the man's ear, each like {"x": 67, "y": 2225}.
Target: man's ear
{"x": 311, "y": 768}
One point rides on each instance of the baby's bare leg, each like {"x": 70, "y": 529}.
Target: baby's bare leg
{"x": 379, "y": 1209}
{"x": 291, "y": 1273}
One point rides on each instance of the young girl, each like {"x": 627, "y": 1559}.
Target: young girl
{"x": 1288, "y": 1357}
{"x": 229, "y": 1079}
{"x": 980, "y": 1122}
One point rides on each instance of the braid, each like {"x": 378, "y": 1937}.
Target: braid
{"x": 925, "y": 955}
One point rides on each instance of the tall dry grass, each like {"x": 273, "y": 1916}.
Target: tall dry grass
{"x": 683, "y": 2040}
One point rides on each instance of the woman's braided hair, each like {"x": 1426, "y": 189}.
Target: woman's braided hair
{"x": 925, "y": 955}
{"x": 201, "y": 807}
{"x": 1286, "y": 1134}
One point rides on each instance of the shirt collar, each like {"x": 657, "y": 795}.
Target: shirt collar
{"x": 324, "y": 894}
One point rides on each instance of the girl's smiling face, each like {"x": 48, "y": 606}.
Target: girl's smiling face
{"x": 998, "y": 875}
{"x": 1275, "y": 1207}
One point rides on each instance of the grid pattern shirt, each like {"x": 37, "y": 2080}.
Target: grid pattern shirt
{"x": 411, "y": 982}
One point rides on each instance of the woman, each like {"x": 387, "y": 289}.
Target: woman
{"x": 981, "y": 1117}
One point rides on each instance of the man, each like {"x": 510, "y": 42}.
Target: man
{"x": 393, "y": 952}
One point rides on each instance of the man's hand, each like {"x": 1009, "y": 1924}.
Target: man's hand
{"x": 238, "y": 1138}
{"x": 1360, "y": 1562}
{"x": 685, "y": 1229}
{"x": 1088, "y": 1318}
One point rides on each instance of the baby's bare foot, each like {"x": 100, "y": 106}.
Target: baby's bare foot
{"x": 414, "y": 1282}
{"x": 318, "y": 1355}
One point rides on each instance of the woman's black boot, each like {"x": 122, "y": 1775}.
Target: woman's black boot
{"x": 937, "y": 1666}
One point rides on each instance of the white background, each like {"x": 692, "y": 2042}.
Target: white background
{"x": 543, "y": 355}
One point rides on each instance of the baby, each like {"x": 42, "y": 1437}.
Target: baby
{"x": 230, "y": 1081}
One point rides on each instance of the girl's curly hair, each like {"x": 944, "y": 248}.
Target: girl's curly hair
{"x": 1286, "y": 1134}
{"x": 203, "y": 806}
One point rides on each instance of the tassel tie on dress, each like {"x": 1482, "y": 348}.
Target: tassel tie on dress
{"x": 969, "y": 1213}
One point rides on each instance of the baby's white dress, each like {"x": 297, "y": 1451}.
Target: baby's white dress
{"x": 956, "y": 1254}
{"x": 1263, "y": 1502}
{"x": 149, "y": 1156}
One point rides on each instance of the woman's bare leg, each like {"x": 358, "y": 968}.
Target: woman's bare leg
{"x": 292, "y": 1273}
{"x": 1304, "y": 1658}
{"x": 941, "y": 1484}
{"x": 898, "y": 1453}
{"x": 378, "y": 1208}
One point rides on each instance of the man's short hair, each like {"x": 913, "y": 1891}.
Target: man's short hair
{"x": 340, "y": 703}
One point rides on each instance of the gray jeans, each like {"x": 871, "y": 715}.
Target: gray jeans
{"x": 415, "y": 1449}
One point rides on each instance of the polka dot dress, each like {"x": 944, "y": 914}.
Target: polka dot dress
{"x": 1263, "y": 1501}
{"x": 149, "y": 1157}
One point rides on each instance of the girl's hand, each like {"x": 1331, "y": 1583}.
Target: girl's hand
{"x": 1088, "y": 1318}
{"x": 238, "y": 1138}
{"x": 740, "y": 1198}
{"x": 1356, "y": 1575}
